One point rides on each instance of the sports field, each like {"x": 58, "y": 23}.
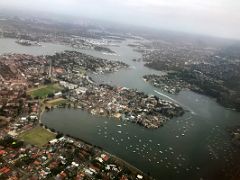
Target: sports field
{"x": 43, "y": 91}
{"x": 56, "y": 102}
{"x": 37, "y": 136}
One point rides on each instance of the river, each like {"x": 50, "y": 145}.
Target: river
{"x": 193, "y": 146}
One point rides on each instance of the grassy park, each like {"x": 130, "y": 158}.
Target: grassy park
{"x": 56, "y": 102}
{"x": 43, "y": 91}
{"x": 37, "y": 136}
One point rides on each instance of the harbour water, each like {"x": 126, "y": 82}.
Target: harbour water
{"x": 193, "y": 146}
{"x": 8, "y": 45}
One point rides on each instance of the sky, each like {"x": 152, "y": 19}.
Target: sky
{"x": 210, "y": 17}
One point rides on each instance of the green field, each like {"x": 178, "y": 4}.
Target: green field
{"x": 43, "y": 91}
{"x": 56, "y": 102}
{"x": 37, "y": 136}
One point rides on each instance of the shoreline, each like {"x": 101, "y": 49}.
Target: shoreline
{"x": 130, "y": 166}
{"x": 122, "y": 161}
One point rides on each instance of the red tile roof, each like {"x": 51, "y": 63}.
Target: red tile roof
{"x": 2, "y": 152}
{"x": 4, "y": 170}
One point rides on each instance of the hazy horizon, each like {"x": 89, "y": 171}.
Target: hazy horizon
{"x": 219, "y": 18}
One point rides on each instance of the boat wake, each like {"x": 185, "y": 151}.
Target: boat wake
{"x": 133, "y": 67}
{"x": 164, "y": 95}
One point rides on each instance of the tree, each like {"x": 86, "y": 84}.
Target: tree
{"x": 47, "y": 81}
{"x": 98, "y": 176}
{"x": 59, "y": 135}
{"x": 50, "y": 95}
{"x": 36, "y": 97}
{"x": 6, "y": 141}
{"x": 20, "y": 107}
{"x": 17, "y": 144}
